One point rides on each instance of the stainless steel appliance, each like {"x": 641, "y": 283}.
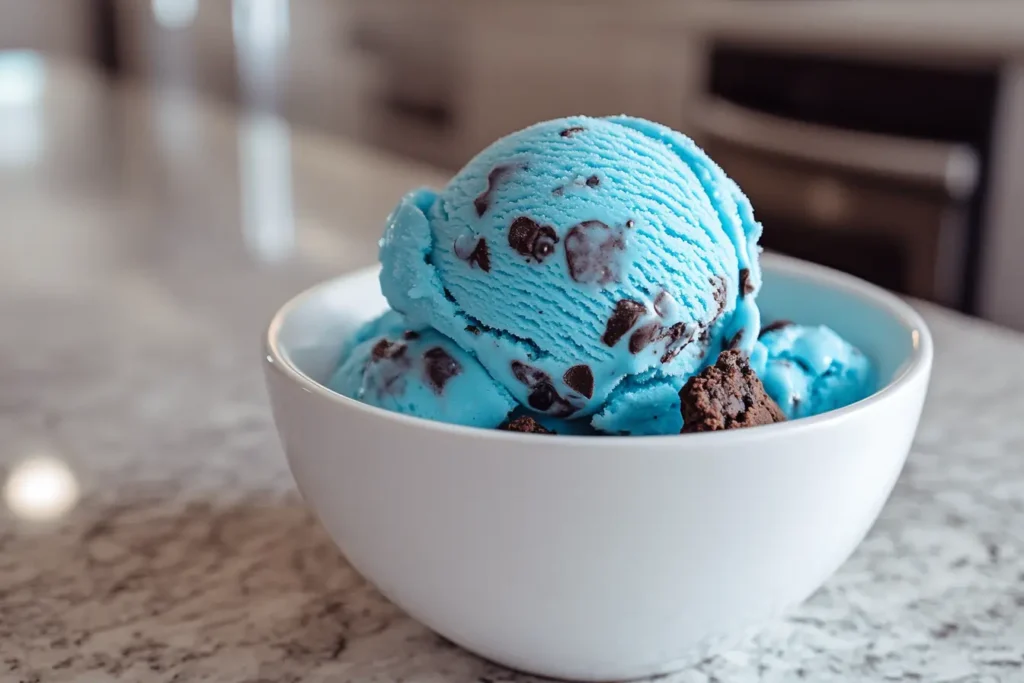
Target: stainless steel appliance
{"x": 874, "y": 168}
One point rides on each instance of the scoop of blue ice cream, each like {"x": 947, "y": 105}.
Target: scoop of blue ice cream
{"x": 577, "y": 253}
{"x": 810, "y": 370}
{"x": 410, "y": 369}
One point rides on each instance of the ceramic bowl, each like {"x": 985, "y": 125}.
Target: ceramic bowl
{"x": 598, "y": 558}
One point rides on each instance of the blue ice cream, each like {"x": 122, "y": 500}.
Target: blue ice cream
{"x": 577, "y": 254}
{"x": 809, "y": 370}
{"x": 391, "y": 364}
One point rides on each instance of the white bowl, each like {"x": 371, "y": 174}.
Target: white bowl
{"x": 598, "y": 558}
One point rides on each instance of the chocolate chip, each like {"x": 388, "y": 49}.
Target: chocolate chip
{"x": 593, "y": 181}
{"x": 472, "y": 329}
{"x": 736, "y": 340}
{"x": 497, "y": 174}
{"x": 529, "y": 375}
{"x": 569, "y": 132}
{"x": 777, "y": 325}
{"x": 593, "y": 252}
{"x": 622, "y": 319}
{"x": 411, "y": 334}
{"x": 532, "y": 239}
{"x": 640, "y": 339}
{"x": 440, "y": 367}
{"x": 719, "y": 294}
{"x": 543, "y": 396}
{"x": 448, "y": 295}
{"x": 385, "y": 349}
{"x": 678, "y": 339}
{"x": 580, "y": 378}
{"x": 478, "y": 255}
{"x": 746, "y": 286}
{"x": 630, "y": 224}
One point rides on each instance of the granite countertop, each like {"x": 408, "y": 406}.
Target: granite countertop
{"x": 151, "y": 531}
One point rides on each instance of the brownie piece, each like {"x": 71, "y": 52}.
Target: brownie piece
{"x": 525, "y": 424}
{"x": 727, "y": 395}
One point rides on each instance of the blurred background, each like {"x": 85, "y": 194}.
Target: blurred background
{"x": 881, "y": 137}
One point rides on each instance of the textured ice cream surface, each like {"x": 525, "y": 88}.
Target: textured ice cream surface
{"x": 410, "y": 369}
{"x": 810, "y": 370}
{"x": 577, "y": 253}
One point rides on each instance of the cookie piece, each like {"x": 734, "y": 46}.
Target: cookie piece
{"x": 525, "y": 424}
{"x": 726, "y": 395}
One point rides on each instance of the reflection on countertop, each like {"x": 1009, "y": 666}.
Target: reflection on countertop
{"x": 150, "y": 529}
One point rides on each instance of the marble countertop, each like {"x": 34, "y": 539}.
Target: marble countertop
{"x": 150, "y": 530}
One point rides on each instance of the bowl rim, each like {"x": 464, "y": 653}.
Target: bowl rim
{"x": 919, "y": 363}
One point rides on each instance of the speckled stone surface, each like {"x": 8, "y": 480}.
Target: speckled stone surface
{"x": 189, "y": 557}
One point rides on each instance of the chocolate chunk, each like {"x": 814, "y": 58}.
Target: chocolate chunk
{"x": 642, "y": 338}
{"x": 719, "y": 295}
{"x": 529, "y": 375}
{"x": 440, "y": 367}
{"x": 678, "y": 339}
{"x": 478, "y": 254}
{"x": 497, "y": 174}
{"x": 726, "y": 395}
{"x": 771, "y": 327}
{"x": 525, "y": 424}
{"x": 543, "y": 395}
{"x": 622, "y": 319}
{"x": 746, "y": 286}
{"x": 580, "y": 378}
{"x": 411, "y": 334}
{"x": 593, "y": 252}
{"x": 385, "y": 349}
{"x": 472, "y": 329}
{"x": 593, "y": 181}
{"x": 630, "y": 224}
{"x": 569, "y": 132}
{"x": 531, "y": 239}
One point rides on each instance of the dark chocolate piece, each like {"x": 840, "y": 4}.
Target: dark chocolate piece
{"x": 440, "y": 367}
{"x": 448, "y": 295}
{"x": 478, "y": 255}
{"x": 472, "y": 329}
{"x": 746, "y": 286}
{"x": 525, "y": 424}
{"x": 719, "y": 295}
{"x": 580, "y": 378}
{"x": 677, "y": 341}
{"x": 543, "y": 395}
{"x": 726, "y": 395}
{"x": 644, "y": 335}
{"x": 593, "y": 252}
{"x": 772, "y": 326}
{"x": 593, "y": 181}
{"x": 569, "y": 132}
{"x": 497, "y": 174}
{"x": 411, "y": 334}
{"x": 385, "y": 349}
{"x": 630, "y": 224}
{"x": 735, "y": 342}
{"x": 622, "y": 319}
{"x": 531, "y": 239}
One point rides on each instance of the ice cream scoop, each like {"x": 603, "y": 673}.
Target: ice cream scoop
{"x": 577, "y": 254}
{"x": 417, "y": 371}
{"x": 810, "y": 369}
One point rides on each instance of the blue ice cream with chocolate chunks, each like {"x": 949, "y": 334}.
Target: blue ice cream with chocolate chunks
{"x": 577, "y": 253}
{"x": 579, "y": 272}
{"x": 417, "y": 371}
